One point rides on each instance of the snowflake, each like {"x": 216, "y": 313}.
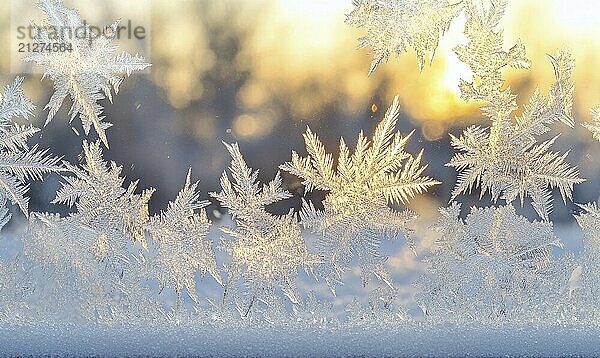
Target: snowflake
{"x": 507, "y": 159}
{"x": 116, "y": 215}
{"x": 594, "y": 127}
{"x": 267, "y": 251}
{"x": 87, "y": 69}
{"x": 179, "y": 235}
{"x": 489, "y": 266}
{"x": 393, "y": 25}
{"x": 18, "y": 162}
{"x": 356, "y": 213}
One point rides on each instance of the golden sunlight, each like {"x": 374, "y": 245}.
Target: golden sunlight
{"x": 301, "y": 51}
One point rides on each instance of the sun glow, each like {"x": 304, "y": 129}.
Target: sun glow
{"x": 302, "y": 49}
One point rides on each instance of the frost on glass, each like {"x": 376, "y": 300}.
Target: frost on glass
{"x": 89, "y": 263}
{"x": 111, "y": 261}
{"x": 392, "y": 26}
{"x": 267, "y": 251}
{"x": 86, "y": 71}
{"x": 496, "y": 265}
{"x": 309, "y": 313}
{"x": 179, "y": 234}
{"x": 485, "y": 56}
{"x": 584, "y": 280}
{"x": 19, "y": 163}
{"x": 68, "y": 282}
{"x": 356, "y": 215}
{"x": 490, "y": 266}
{"x": 508, "y": 159}
{"x": 315, "y": 312}
{"x": 382, "y": 307}
{"x": 115, "y": 213}
{"x": 594, "y": 126}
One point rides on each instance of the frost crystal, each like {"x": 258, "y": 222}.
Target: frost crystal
{"x": 356, "y": 213}
{"x": 179, "y": 235}
{"x": 584, "y": 282}
{"x": 490, "y": 266}
{"x": 116, "y": 215}
{"x": 382, "y": 307}
{"x": 86, "y": 70}
{"x": 314, "y": 312}
{"x": 394, "y": 25}
{"x": 267, "y": 251}
{"x": 483, "y": 53}
{"x": 507, "y": 159}
{"x": 19, "y": 163}
{"x": 90, "y": 264}
{"x": 98, "y": 264}
{"x": 4, "y": 213}
{"x": 594, "y": 127}
{"x": 69, "y": 281}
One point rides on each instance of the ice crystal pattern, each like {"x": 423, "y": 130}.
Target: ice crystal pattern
{"x": 488, "y": 266}
{"x": 382, "y": 307}
{"x": 356, "y": 214}
{"x": 267, "y": 251}
{"x": 18, "y": 162}
{"x": 508, "y": 160}
{"x": 179, "y": 234}
{"x": 584, "y": 282}
{"x": 114, "y": 214}
{"x": 315, "y": 312}
{"x": 94, "y": 253}
{"x": 87, "y": 72}
{"x": 95, "y": 264}
{"x": 485, "y": 55}
{"x": 594, "y": 126}
{"x": 392, "y": 26}
{"x": 65, "y": 279}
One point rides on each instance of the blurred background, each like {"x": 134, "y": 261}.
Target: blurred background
{"x": 258, "y": 72}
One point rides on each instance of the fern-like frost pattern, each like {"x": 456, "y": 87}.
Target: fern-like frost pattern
{"x": 19, "y": 163}
{"x": 356, "y": 214}
{"x": 267, "y": 251}
{"x": 179, "y": 234}
{"x": 87, "y": 72}
{"x": 101, "y": 262}
{"x": 594, "y": 126}
{"x": 507, "y": 159}
{"x": 489, "y": 266}
{"x": 392, "y": 26}
{"x": 583, "y": 285}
